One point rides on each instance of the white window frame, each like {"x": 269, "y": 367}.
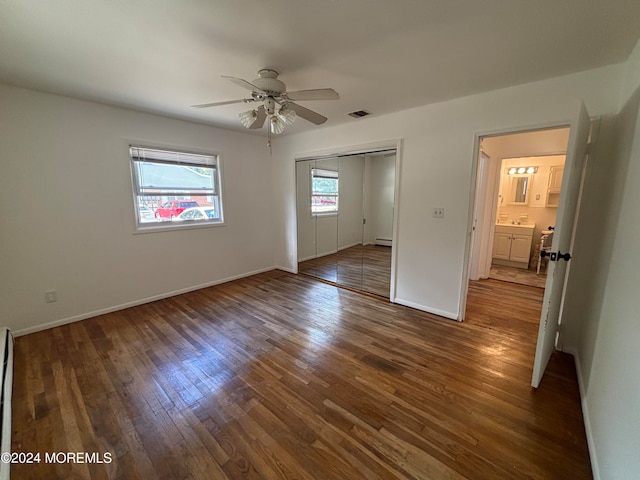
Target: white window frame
{"x": 324, "y": 173}
{"x": 139, "y": 153}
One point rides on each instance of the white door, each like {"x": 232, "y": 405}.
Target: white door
{"x": 562, "y": 240}
{"x": 479, "y": 205}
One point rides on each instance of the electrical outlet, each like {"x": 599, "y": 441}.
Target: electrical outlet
{"x": 438, "y": 213}
{"x": 50, "y": 296}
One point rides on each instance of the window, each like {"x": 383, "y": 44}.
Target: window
{"x": 324, "y": 191}
{"x": 175, "y": 188}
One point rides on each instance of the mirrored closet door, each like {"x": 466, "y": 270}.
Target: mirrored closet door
{"x": 345, "y": 208}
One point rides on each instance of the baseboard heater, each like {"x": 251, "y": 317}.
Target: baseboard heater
{"x": 6, "y": 353}
{"x": 383, "y": 241}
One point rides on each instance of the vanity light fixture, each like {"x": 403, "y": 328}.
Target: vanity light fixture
{"x": 522, "y": 170}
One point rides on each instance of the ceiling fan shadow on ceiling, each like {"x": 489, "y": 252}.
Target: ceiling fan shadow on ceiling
{"x": 277, "y": 103}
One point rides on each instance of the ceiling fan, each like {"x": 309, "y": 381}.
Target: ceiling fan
{"x": 277, "y": 103}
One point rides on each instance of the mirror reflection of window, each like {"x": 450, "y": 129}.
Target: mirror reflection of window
{"x": 324, "y": 191}
{"x": 521, "y": 189}
{"x": 518, "y": 189}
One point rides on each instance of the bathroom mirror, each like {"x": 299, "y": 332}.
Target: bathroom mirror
{"x": 519, "y": 187}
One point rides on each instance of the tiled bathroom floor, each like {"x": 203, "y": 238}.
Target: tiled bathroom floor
{"x": 518, "y": 275}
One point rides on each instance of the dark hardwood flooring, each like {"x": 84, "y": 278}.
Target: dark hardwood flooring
{"x": 279, "y": 376}
{"x": 361, "y": 267}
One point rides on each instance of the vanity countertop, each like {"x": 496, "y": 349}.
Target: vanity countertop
{"x": 521, "y": 225}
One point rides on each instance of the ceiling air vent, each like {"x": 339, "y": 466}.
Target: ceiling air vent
{"x": 358, "y": 114}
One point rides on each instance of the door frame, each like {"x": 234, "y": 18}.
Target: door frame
{"x": 480, "y": 203}
{"x": 392, "y": 144}
{"x": 478, "y": 136}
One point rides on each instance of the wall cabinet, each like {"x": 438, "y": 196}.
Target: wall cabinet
{"x": 555, "y": 183}
{"x": 512, "y": 245}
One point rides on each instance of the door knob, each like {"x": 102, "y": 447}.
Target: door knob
{"x": 565, "y": 256}
{"x": 555, "y": 256}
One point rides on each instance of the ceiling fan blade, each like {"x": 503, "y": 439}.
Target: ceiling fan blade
{"x": 228, "y": 102}
{"x": 307, "y": 114}
{"x": 243, "y": 83}
{"x": 314, "y": 94}
{"x": 262, "y": 116}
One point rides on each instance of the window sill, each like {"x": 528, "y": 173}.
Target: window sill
{"x": 171, "y": 228}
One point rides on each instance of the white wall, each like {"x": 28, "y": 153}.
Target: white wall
{"x": 382, "y": 198}
{"x": 368, "y": 233}
{"x": 600, "y": 317}
{"x": 68, "y": 219}
{"x": 437, "y": 168}
{"x": 613, "y": 388}
{"x": 351, "y": 201}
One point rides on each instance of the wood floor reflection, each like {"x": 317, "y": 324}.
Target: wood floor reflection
{"x": 366, "y": 268}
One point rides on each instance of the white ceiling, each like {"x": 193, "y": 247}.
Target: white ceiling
{"x": 380, "y": 55}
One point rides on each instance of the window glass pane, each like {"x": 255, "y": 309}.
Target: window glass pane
{"x": 173, "y": 187}
{"x": 177, "y": 179}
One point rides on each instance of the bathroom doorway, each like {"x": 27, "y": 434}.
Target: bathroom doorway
{"x": 517, "y": 192}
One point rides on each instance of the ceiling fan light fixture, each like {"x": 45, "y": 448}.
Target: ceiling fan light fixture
{"x": 276, "y": 124}
{"x": 287, "y": 115}
{"x": 248, "y": 118}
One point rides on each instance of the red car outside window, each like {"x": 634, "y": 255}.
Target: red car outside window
{"x": 173, "y": 208}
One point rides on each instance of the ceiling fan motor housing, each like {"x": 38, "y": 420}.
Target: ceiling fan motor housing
{"x": 269, "y": 105}
{"x": 268, "y": 82}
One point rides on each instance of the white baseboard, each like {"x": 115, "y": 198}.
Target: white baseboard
{"x": 320, "y": 255}
{"x": 330, "y": 252}
{"x": 435, "y": 311}
{"x": 286, "y": 269}
{"x": 595, "y": 469}
{"x": 349, "y": 246}
{"x": 115, "y": 308}
{"x": 385, "y": 242}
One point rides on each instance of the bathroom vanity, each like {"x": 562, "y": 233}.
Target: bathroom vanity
{"x": 512, "y": 244}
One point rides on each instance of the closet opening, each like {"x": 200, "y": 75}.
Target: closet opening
{"x": 345, "y": 205}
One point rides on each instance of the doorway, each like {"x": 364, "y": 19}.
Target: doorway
{"x": 582, "y": 133}
{"x": 345, "y": 207}
{"x": 519, "y": 177}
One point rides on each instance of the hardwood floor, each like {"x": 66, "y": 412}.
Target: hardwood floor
{"x": 279, "y": 376}
{"x": 361, "y": 267}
